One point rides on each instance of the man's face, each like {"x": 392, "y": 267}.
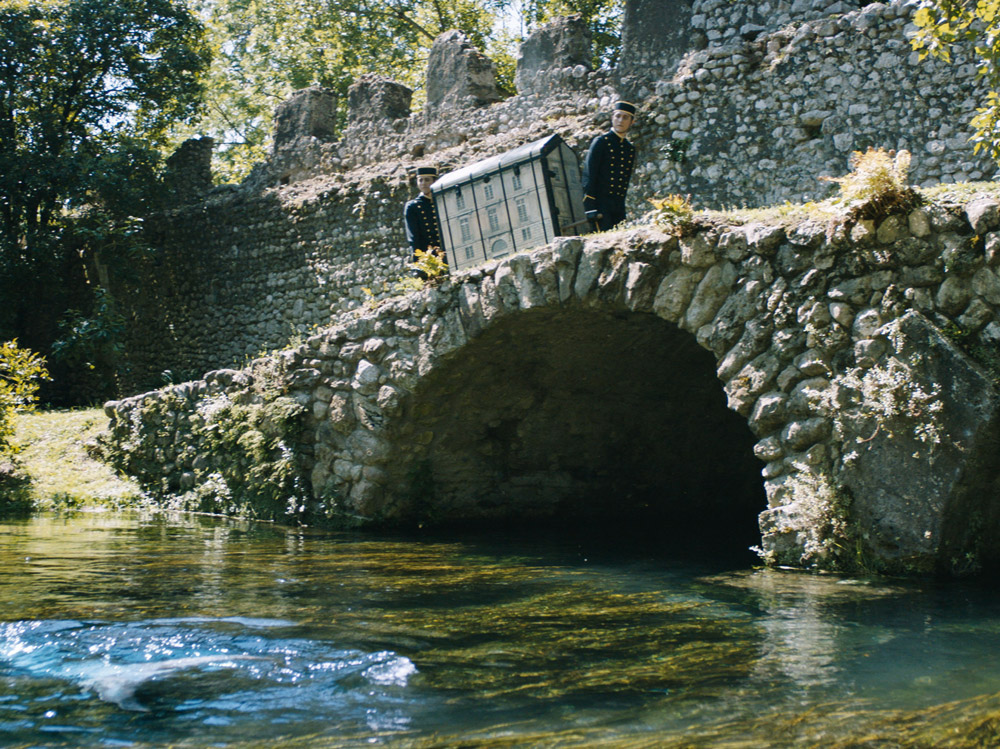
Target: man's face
{"x": 424, "y": 182}
{"x": 621, "y": 121}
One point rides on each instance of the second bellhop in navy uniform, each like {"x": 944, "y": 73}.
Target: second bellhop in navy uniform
{"x": 422, "y": 229}
{"x": 607, "y": 170}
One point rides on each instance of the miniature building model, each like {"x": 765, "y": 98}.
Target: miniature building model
{"x": 508, "y": 203}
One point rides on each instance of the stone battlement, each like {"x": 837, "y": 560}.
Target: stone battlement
{"x": 740, "y": 105}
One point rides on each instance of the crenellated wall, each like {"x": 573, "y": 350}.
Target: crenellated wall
{"x": 740, "y": 105}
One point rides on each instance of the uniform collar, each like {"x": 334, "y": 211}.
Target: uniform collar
{"x": 615, "y": 132}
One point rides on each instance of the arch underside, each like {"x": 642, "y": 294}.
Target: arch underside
{"x": 579, "y": 414}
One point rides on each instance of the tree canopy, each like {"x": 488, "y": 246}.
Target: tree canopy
{"x": 266, "y": 49}
{"x": 88, "y": 90}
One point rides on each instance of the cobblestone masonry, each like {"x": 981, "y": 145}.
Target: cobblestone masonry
{"x": 861, "y": 356}
{"x": 773, "y": 96}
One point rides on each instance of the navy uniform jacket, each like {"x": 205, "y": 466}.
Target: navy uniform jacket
{"x": 607, "y": 170}
{"x": 422, "y": 230}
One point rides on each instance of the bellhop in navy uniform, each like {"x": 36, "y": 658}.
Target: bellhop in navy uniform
{"x": 607, "y": 170}
{"x": 422, "y": 229}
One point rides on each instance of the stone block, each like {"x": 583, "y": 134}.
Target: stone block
{"x": 307, "y": 113}
{"x": 459, "y": 75}
{"x": 564, "y": 42}
{"x": 983, "y": 214}
{"x": 374, "y": 99}
{"x": 920, "y": 469}
{"x": 674, "y": 294}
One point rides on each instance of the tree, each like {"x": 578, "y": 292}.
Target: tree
{"x": 88, "y": 89}
{"x": 266, "y": 49}
{"x": 942, "y": 24}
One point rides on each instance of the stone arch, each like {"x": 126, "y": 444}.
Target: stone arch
{"x": 860, "y": 353}
{"x": 788, "y": 316}
{"x": 572, "y": 413}
{"x": 559, "y": 383}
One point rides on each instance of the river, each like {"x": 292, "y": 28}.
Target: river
{"x": 142, "y": 630}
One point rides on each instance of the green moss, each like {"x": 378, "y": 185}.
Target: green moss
{"x": 987, "y": 356}
{"x": 256, "y": 473}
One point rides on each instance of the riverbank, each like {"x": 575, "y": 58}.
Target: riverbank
{"x": 56, "y": 454}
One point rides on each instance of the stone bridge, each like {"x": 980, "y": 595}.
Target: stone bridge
{"x": 644, "y": 376}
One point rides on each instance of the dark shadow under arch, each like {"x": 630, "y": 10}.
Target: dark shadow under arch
{"x": 577, "y": 415}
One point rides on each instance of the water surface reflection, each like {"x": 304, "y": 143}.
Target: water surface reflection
{"x": 129, "y": 630}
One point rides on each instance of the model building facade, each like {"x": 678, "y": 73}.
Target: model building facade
{"x": 509, "y": 203}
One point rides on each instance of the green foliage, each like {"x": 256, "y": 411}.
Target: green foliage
{"x": 266, "y": 49}
{"x": 408, "y": 284}
{"x": 261, "y": 477}
{"x": 238, "y": 449}
{"x": 263, "y": 50}
{"x": 941, "y": 24}
{"x": 91, "y": 347}
{"x": 88, "y": 89}
{"x": 876, "y": 186}
{"x": 431, "y": 263}
{"x": 676, "y": 150}
{"x": 673, "y": 213}
{"x": 820, "y": 521}
{"x": 21, "y": 372}
{"x": 79, "y": 79}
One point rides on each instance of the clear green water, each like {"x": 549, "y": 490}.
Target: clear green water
{"x": 144, "y": 631}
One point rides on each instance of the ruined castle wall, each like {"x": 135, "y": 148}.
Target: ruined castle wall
{"x": 757, "y": 123}
{"x": 245, "y": 272}
{"x": 766, "y": 98}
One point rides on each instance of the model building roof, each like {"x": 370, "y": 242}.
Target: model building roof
{"x": 519, "y": 155}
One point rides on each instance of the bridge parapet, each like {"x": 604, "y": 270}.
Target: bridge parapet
{"x": 858, "y": 361}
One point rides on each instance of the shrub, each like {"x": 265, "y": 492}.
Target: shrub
{"x": 21, "y": 372}
{"x": 673, "y": 213}
{"x": 430, "y": 263}
{"x": 876, "y": 186}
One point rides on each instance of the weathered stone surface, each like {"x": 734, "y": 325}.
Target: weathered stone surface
{"x": 983, "y": 215}
{"x": 914, "y": 488}
{"x": 698, "y": 251}
{"x": 953, "y": 296}
{"x": 374, "y": 99}
{"x": 562, "y": 43}
{"x": 799, "y": 435}
{"x": 674, "y": 294}
{"x": 769, "y": 413}
{"x": 308, "y": 113}
{"x": 188, "y": 173}
{"x": 458, "y": 74}
{"x": 655, "y": 34}
{"x": 712, "y": 291}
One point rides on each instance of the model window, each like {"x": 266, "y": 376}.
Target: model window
{"x": 469, "y": 252}
{"x": 522, "y": 210}
{"x": 494, "y": 221}
{"x": 488, "y": 191}
{"x": 517, "y": 181}
{"x": 463, "y": 224}
{"x": 526, "y": 232}
{"x": 499, "y": 247}
{"x": 459, "y": 201}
